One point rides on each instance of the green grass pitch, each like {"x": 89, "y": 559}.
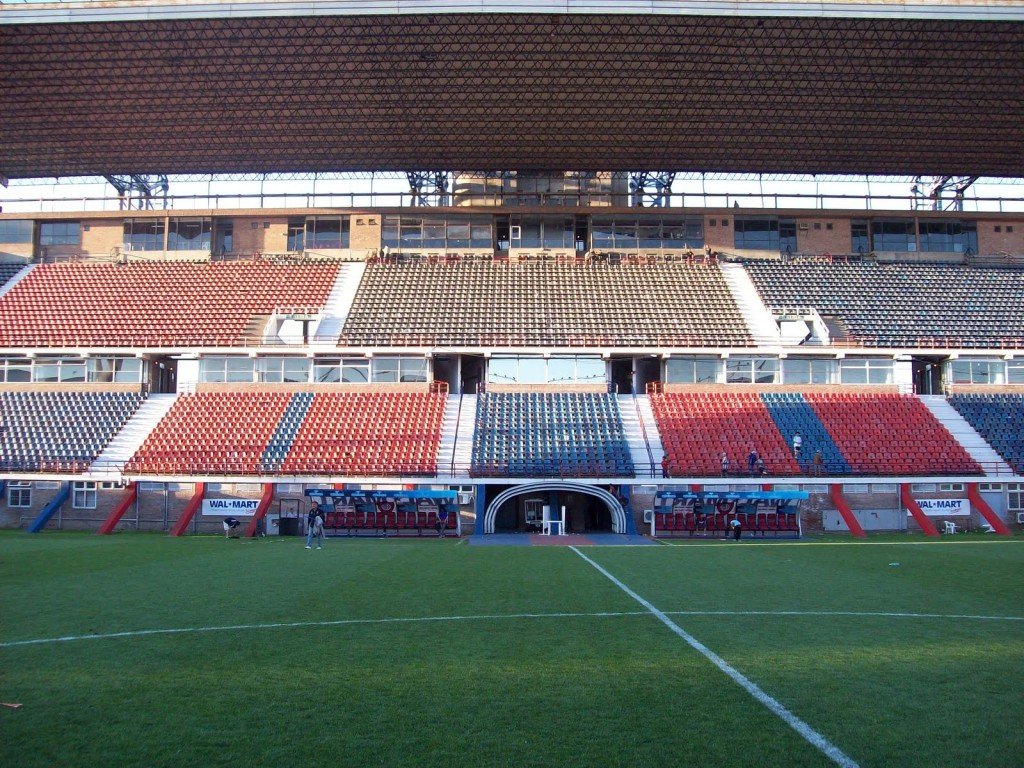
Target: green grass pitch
{"x": 517, "y": 656}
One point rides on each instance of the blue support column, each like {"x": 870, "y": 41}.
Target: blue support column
{"x": 58, "y": 501}
{"x": 480, "y": 504}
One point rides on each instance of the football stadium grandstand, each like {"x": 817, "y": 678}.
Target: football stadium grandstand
{"x": 579, "y": 341}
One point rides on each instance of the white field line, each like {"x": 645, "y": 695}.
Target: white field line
{"x": 817, "y": 740}
{"x": 759, "y": 543}
{"x": 862, "y": 614}
{"x": 300, "y": 624}
{"x": 441, "y": 619}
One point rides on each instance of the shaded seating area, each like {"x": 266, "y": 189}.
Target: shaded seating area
{"x": 709, "y": 514}
{"x": 368, "y": 434}
{"x": 697, "y": 427}
{"x": 155, "y": 303}
{"x": 999, "y": 418}
{"x": 9, "y": 269}
{"x": 903, "y": 304}
{"x": 479, "y": 301}
{"x": 890, "y": 434}
{"x": 549, "y": 434}
{"x": 60, "y": 431}
{"x": 212, "y": 432}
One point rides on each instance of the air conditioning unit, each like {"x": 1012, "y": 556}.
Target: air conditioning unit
{"x": 1020, "y": 518}
{"x": 648, "y": 516}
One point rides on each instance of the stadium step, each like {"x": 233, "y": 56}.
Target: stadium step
{"x": 457, "y": 436}
{"x": 640, "y": 449}
{"x": 339, "y": 302}
{"x": 18, "y": 277}
{"x": 966, "y": 435}
{"x": 643, "y": 403}
{"x": 109, "y": 464}
{"x": 755, "y": 314}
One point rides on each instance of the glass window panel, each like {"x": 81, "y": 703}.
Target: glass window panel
{"x": 532, "y": 370}
{"x": 239, "y": 369}
{"x": 590, "y": 369}
{"x": 355, "y": 370}
{"x": 45, "y": 371}
{"x": 385, "y": 369}
{"x": 296, "y": 370}
{"x": 188, "y": 235}
{"x": 60, "y": 233}
{"x": 1015, "y": 372}
{"x": 327, "y": 371}
{"x": 853, "y": 372}
{"x": 413, "y": 369}
{"x": 72, "y": 370}
{"x": 679, "y": 370}
{"x": 738, "y": 371}
{"x": 562, "y": 369}
{"x": 128, "y": 369}
{"x": 16, "y": 231}
{"x": 796, "y": 371}
{"x": 502, "y": 370}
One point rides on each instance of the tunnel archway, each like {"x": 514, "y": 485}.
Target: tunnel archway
{"x": 614, "y": 506}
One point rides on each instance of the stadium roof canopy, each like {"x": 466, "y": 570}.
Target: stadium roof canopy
{"x": 884, "y": 87}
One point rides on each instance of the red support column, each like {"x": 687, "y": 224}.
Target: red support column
{"x": 986, "y": 511}
{"x": 922, "y": 519}
{"x": 190, "y": 511}
{"x": 261, "y": 510}
{"x": 835, "y": 491}
{"x": 131, "y": 493}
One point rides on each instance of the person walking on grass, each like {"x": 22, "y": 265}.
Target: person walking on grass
{"x": 315, "y": 527}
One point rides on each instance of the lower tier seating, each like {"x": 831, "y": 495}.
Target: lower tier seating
{"x": 212, "y": 432}
{"x": 368, "y": 434}
{"x": 890, "y": 434}
{"x": 60, "y": 431}
{"x": 698, "y": 427}
{"x": 1000, "y": 420}
{"x": 549, "y": 434}
{"x": 792, "y": 416}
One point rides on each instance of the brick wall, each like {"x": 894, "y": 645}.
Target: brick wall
{"x": 818, "y": 238}
{"x": 101, "y": 237}
{"x": 269, "y": 235}
{"x": 718, "y": 232}
{"x": 990, "y": 241}
{"x": 364, "y": 233}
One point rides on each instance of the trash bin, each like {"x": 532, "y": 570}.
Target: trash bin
{"x": 288, "y": 526}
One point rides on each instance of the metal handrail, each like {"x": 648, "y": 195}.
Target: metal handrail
{"x": 404, "y": 200}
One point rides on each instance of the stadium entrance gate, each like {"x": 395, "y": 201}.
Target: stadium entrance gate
{"x": 589, "y": 508}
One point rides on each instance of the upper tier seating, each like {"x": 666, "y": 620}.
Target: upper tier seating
{"x": 549, "y": 435}
{"x": 1000, "y": 420}
{"x": 368, "y": 434}
{"x": 890, "y": 434}
{"x": 60, "y": 431}
{"x": 543, "y": 302}
{"x": 903, "y": 305}
{"x": 8, "y": 270}
{"x": 696, "y": 427}
{"x": 154, "y": 303}
{"x": 215, "y": 432}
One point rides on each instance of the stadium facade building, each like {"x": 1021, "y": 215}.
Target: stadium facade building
{"x": 528, "y": 338}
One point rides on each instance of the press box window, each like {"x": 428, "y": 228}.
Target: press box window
{"x": 226, "y": 369}
{"x": 692, "y": 370}
{"x": 16, "y": 231}
{"x": 60, "y": 233}
{"x": 399, "y": 369}
{"x": 287, "y": 370}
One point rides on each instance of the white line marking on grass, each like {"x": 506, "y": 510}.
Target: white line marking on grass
{"x": 769, "y": 543}
{"x": 869, "y": 614}
{"x": 296, "y": 624}
{"x": 816, "y": 739}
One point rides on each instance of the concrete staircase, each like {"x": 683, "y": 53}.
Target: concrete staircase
{"x": 643, "y": 403}
{"x": 457, "y": 436}
{"x": 108, "y": 464}
{"x": 966, "y": 435}
{"x": 640, "y": 450}
{"x": 339, "y": 302}
{"x": 18, "y": 277}
{"x": 755, "y": 314}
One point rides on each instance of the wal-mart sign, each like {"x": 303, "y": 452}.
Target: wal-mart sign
{"x": 944, "y": 507}
{"x": 225, "y": 507}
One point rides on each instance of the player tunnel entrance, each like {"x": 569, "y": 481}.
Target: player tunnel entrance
{"x": 588, "y": 509}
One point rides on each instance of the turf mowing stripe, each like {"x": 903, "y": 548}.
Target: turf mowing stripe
{"x": 814, "y": 738}
{"x": 297, "y": 624}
